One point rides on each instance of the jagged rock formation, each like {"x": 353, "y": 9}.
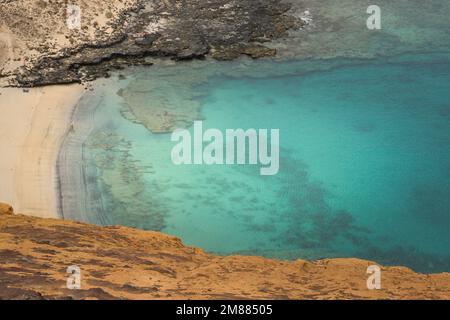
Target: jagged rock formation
{"x": 37, "y": 47}
{"x": 123, "y": 263}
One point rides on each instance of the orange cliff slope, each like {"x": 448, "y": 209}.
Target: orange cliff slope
{"x": 124, "y": 263}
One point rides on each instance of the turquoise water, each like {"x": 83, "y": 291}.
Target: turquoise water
{"x": 364, "y": 161}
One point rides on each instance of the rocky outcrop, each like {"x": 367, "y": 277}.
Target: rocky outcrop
{"x": 6, "y": 209}
{"x": 124, "y": 263}
{"x": 118, "y": 33}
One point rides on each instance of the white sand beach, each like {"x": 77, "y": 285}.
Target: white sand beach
{"x": 32, "y": 126}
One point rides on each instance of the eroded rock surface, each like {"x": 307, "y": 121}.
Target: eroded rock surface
{"x": 38, "y": 48}
{"x": 124, "y": 263}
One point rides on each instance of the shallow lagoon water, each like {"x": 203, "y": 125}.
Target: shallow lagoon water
{"x": 365, "y": 159}
{"x": 364, "y": 162}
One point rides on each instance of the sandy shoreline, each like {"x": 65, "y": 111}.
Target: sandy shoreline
{"x": 32, "y": 126}
{"x": 78, "y": 193}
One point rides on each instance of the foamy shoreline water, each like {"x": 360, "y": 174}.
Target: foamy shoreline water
{"x": 33, "y": 125}
{"x": 76, "y": 177}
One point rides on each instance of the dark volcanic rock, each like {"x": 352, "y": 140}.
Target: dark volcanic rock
{"x": 178, "y": 29}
